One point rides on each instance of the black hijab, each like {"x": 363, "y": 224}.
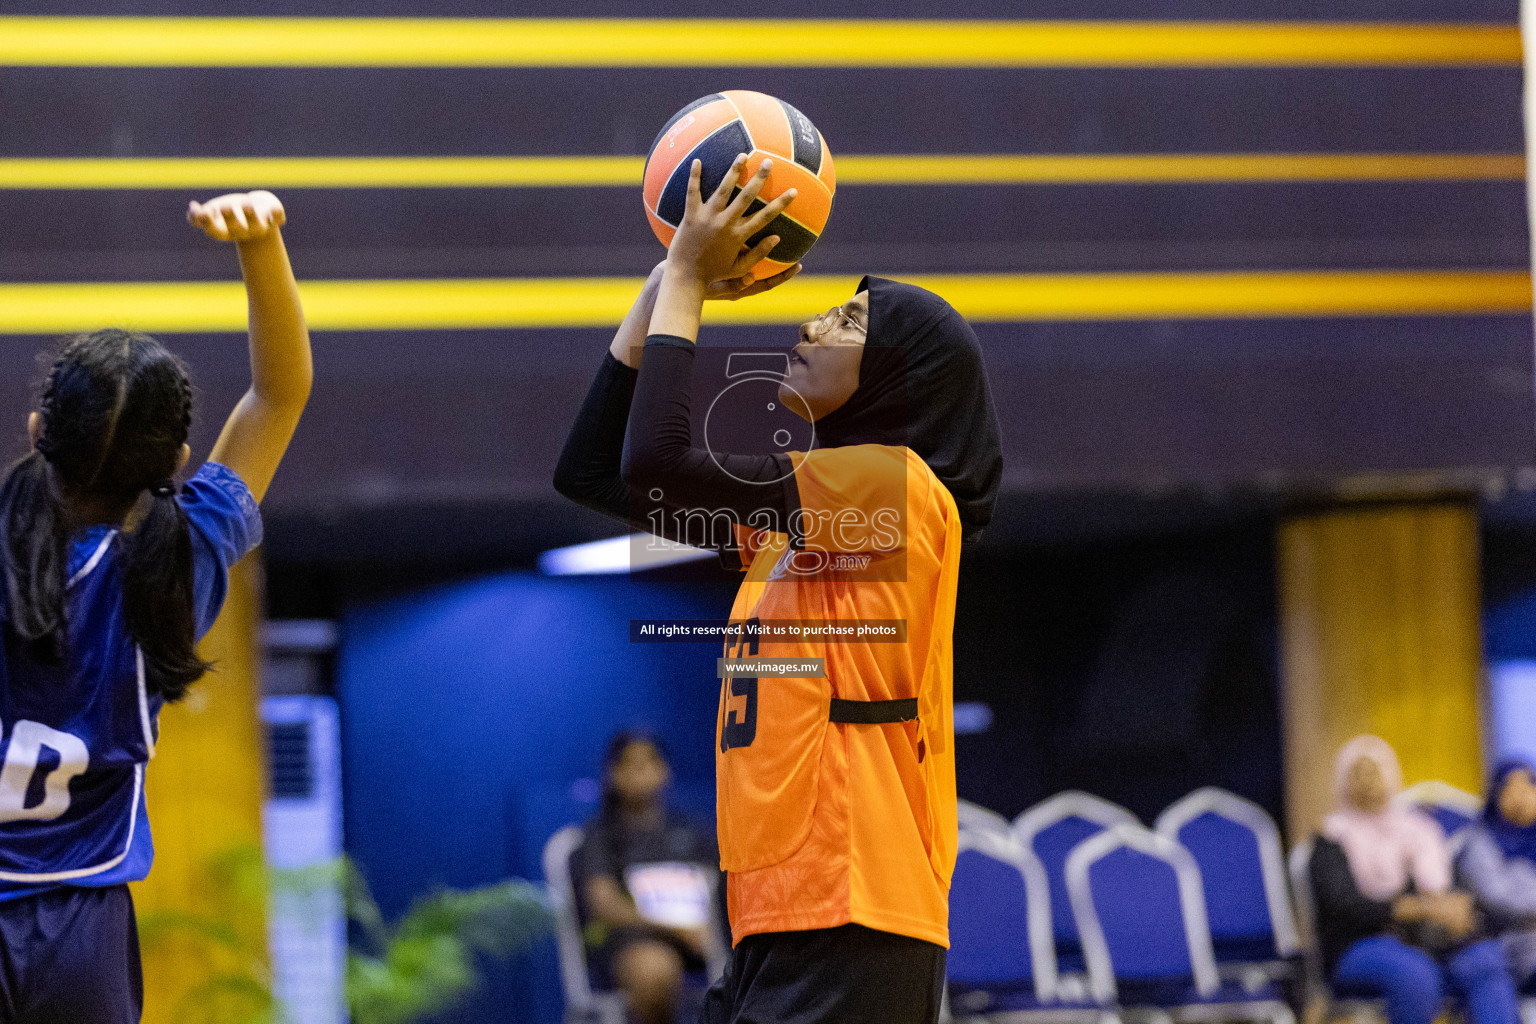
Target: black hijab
{"x": 922, "y": 384}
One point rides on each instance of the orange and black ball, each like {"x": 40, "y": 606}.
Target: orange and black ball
{"x": 720, "y": 127}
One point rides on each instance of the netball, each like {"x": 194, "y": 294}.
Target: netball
{"x": 715, "y": 129}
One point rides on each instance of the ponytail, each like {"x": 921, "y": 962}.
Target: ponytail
{"x": 114, "y": 413}
{"x": 157, "y": 595}
{"x": 33, "y": 536}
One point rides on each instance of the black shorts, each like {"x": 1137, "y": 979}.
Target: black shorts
{"x": 70, "y": 955}
{"x": 847, "y": 975}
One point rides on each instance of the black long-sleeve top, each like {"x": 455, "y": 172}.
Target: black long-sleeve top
{"x": 630, "y": 454}
{"x": 1344, "y": 914}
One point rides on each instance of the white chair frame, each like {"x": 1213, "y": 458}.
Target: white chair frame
{"x": 1436, "y": 793}
{"x": 976, "y": 818}
{"x": 1197, "y": 933}
{"x": 1042, "y": 948}
{"x": 1072, "y": 803}
{"x": 1224, "y": 804}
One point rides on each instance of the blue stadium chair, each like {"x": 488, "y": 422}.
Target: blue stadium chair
{"x": 1140, "y": 909}
{"x": 1001, "y": 959}
{"x": 1316, "y": 988}
{"x": 1051, "y": 830}
{"x": 1242, "y": 866}
{"x": 583, "y": 1004}
{"x": 975, "y": 817}
{"x": 1453, "y": 808}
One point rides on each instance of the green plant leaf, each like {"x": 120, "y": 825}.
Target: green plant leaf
{"x": 160, "y": 925}
{"x": 426, "y": 963}
{"x": 228, "y": 999}
{"x": 361, "y": 907}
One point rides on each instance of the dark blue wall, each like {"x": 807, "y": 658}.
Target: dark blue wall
{"x": 1509, "y": 581}
{"x": 467, "y": 712}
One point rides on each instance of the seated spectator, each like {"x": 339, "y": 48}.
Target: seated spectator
{"x": 1389, "y": 920}
{"x": 1498, "y": 864}
{"x": 643, "y": 876}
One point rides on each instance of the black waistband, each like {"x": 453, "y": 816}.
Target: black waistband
{"x": 873, "y": 712}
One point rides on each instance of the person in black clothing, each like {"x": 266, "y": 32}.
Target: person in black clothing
{"x": 644, "y": 878}
{"x": 1390, "y": 921}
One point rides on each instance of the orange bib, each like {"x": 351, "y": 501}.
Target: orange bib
{"x": 824, "y": 824}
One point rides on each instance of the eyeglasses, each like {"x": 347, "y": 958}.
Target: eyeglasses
{"x": 843, "y": 319}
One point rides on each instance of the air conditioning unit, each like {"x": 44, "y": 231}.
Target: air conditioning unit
{"x": 302, "y": 825}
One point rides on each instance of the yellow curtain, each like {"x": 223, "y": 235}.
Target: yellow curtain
{"x": 1380, "y": 631}
{"x": 205, "y": 788}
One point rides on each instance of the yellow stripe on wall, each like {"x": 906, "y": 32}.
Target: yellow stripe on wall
{"x": 320, "y": 172}
{"x": 1133, "y": 168}
{"x": 853, "y": 169}
{"x": 746, "y": 42}
{"x": 602, "y": 302}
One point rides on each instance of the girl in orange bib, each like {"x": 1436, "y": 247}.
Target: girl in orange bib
{"x": 835, "y": 753}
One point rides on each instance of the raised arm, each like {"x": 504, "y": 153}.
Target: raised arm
{"x": 588, "y": 470}
{"x": 708, "y": 250}
{"x": 257, "y": 432}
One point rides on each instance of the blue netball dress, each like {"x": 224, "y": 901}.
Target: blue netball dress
{"x": 77, "y": 736}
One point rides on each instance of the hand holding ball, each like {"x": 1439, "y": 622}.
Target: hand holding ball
{"x": 716, "y": 130}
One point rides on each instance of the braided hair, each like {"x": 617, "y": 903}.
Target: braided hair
{"x": 115, "y": 411}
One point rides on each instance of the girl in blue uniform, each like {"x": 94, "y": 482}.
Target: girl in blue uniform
{"x": 111, "y": 575}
